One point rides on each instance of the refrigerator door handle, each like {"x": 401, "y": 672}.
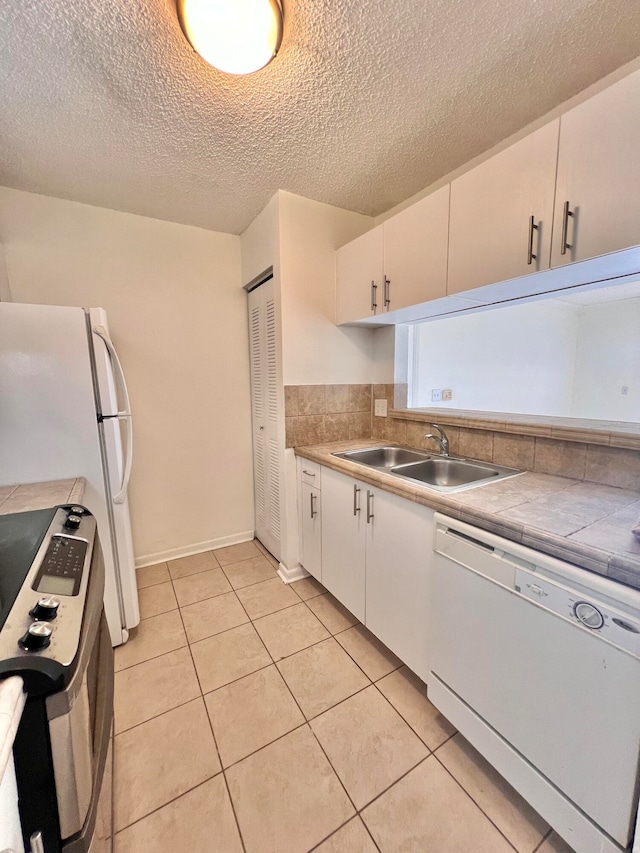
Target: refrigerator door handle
{"x": 124, "y": 415}
{"x": 102, "y": 333}
{"x": 126, "y": 474}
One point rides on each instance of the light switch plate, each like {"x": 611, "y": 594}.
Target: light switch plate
{"x": 380, "y": 408}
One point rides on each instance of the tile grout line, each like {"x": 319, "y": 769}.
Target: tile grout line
{"x": 477, "y": 805}
{"x": 172, "y": 800}
{"x": 202, "y": 696}
{"x": 343, "y": 631}
{"x": 278, "y": 610}
{"x": 542, "y": 840}
{"x": 386, "y": 698}
{"x": 303, "y": 724}
{"x": 179, "y": 705}
{"x": 342, "y": 826}
{"x": 314, "y": 735}
{"x": 430, "y": 751}
{"x": 395, "y": 782}
{"x": 306, "y": 721}
{"x": 213, "y": 734}
{"x": 224, "y": 769}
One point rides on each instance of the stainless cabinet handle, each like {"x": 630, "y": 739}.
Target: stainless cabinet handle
{"x": 532, "y": 227}
{"x": 356, "y": 502}
{"x": 308, "y": 473}
{"x": 314, "y": 511}
{"x": 387, "y": 297}
{"x": 369, "y": 506}
{"x": 374, "y": 296}
{"x": 565, "y": 228}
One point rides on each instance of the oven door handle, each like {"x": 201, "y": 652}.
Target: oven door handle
{"x": 36, "y": 844}
{"x": 81, "y": 842}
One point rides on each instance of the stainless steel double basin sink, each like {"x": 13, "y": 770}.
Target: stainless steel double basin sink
{"x": 442, "y": 473}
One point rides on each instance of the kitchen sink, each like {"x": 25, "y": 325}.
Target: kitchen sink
{"x": 442, "y": 473}
{"x": 383, "y": 457}
{"x": 447, "y": 473}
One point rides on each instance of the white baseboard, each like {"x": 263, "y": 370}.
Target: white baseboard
{"x": 297, "y": 573}
{"x": 189, "y": 550}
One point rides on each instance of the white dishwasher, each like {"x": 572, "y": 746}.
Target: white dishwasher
{"x": 537, "y": 663}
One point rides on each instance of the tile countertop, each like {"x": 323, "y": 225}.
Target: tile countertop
{"x": 28, "y": 496}
{"x": 583, "y": 523}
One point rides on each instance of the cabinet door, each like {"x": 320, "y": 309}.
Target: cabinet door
{"x": 398, "y": 559}
{"x": 599, "y": 174}
{"x": 358, "y": 265}
{"x": 490, "y": 235}
{"x": 415, "y": 252}
{"x": 265, "y": 385}
{"x": 343, "y": 539}
{"x": 310, "y": 530}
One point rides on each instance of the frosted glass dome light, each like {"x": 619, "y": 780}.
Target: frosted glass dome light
{"x": 235, "y": 36}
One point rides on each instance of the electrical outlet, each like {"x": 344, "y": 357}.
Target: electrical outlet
{"x": 380, "y": 409}
{"x": 447, "y": 394}
{"x": 436, "y": 395}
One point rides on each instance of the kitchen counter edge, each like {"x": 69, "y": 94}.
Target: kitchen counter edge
{"x": 619, "y": 566}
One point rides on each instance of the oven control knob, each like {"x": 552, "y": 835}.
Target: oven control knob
{"x": 73, "y": 521}
{"x": 37, "y": 637}
{"x": 589, "y": 615}
{"x": 46, "y": 609}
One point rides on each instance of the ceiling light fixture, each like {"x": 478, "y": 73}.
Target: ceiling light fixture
{"x": 235, "y": 36}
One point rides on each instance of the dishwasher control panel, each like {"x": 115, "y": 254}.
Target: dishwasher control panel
{"x": 616, "y": 626}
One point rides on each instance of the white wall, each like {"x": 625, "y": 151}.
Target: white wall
{"x": 513, "y": 359}
{"x": 608, "y": 358}
{"x": 260, "y": 243}
{"x": 298, "y": 237}
{"x": 316, "y": 351}
{"x": 178, "y": 317}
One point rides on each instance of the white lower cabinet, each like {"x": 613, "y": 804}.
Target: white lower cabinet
{"x": 311, "y": 529}
{"x": 375, "y": 559}
{"x": 343, "y": 539}
{"x": 398, "y": 555}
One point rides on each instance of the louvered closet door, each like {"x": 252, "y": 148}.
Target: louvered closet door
{"x": 264, "y": 407}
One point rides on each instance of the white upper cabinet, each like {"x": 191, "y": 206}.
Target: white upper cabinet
{"x": 415, "y": 252}
{"x": 359, "y": 278}
{"x": 599, "y": 175}
{"x": 501, "y": 213}
{"x": 567, "y": 192}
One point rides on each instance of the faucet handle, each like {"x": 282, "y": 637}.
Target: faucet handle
{"x": 440, "y": 439}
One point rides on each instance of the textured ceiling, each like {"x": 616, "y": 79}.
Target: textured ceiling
{"x": 103, "y": 101}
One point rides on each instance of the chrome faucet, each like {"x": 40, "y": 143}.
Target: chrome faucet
{"x": 441, "y": 440}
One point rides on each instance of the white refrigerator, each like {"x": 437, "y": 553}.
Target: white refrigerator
{"x": 64, "y": 412}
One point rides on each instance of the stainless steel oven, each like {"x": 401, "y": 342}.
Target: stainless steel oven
{"x": 55, "y": 636}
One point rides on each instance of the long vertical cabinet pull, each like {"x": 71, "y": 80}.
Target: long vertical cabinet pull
{"x": 369, "y": 506}
{"x": 314, "y": 511}
{"x": 356, "y": 502}
{"x": 374, "y": 296}
{"x": 387, "y": 297}
{"x": 530, "y": 253}
{"x": 565, "y": 229}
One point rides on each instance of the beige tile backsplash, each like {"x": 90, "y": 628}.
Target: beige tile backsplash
{"x": 316, "y": 414}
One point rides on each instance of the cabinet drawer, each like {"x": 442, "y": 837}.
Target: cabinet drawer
{"x": 310, "y": 473}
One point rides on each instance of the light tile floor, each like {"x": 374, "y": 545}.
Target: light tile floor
{"x": 258, "y": 717}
